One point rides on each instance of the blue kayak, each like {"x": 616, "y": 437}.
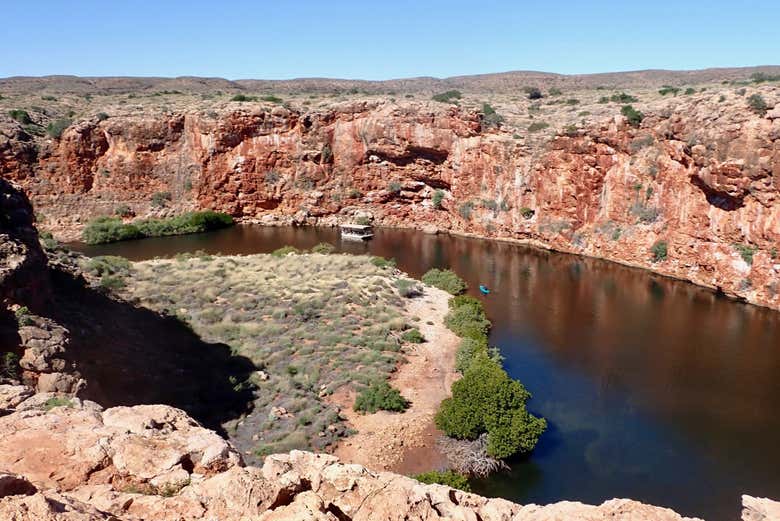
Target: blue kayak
{"x": 484, "y": 289}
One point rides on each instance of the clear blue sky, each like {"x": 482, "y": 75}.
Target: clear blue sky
{"x": 379, "y": 40}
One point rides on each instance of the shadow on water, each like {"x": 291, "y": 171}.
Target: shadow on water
{"x": 131, "y": 355}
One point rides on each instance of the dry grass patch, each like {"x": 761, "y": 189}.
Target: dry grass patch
{"x": 311, "y": 324}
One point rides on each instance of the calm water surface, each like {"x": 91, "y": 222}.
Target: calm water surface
{"x": 654, "y": 389}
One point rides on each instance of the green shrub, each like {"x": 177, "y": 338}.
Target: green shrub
{"x": 490, "y": 204}
{"x": 490, "y": 117}
{"x": 438, "y": 197}
{"x": 465, "y": 210}
{"x": 57, "y": 401}
{"x": 659, "y": 250}
{"x": 326, "y": 154}
{"x": 447, "y": 97}
{"x": 467, "y": 318}
{"x": 668, "y": 89}
{"x": 21, "y": 116}
{"x": 107, "y": 265}
{"x": 101, "y": 116}
{"x": 57, "y": 127}
{"x": 760, "y": 77}
{"x": 190, "y": 222}
{"x": 285, "y": 250}
{"x": 112, "y": 229}
{"x": 464, "y": 300}
{"x": 23, "y": 316}
{"x": 109, "y": 229}
{"x": 380, "y": 396}
{"x": 446, "y": 280}
{"x": 526, "y": 212}
{"x": 271, "y": 98}
{"x": 48, "y": 240}
{"x": 9, "y": 365}
{"x": 757, "y": 104}
{"x": 554, "y": 91}
{"x": 623, "y": 98}
{"x": 689, "y": 91}
{"x": 572, "y": 101}
{"x": 413, "y": 336}
{"x": 467, "y": 350}
{"x": 243, "y": 97}
{"x": 407, "y": 288}
{"x": 486, "y": 399}
{"x": 537, "y": 126}
{"x": 324, "y": 248}
{"x": 112, "y": 282}
{"x": 447, "y": 477}
{"x": 646, "y": 214}
{"x": 633, "y": 116}
{"x": 394, "y": 187}
{"x": 746, "y": 252}
{"x": 160, "y": 199}
{"x": 381, "y": 262}
{"x": 533, "y": 93}
{"x": 123, "y": 211}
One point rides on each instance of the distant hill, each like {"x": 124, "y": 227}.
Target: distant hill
{"x": 503, "y": 82}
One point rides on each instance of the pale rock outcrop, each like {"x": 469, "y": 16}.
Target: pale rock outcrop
{"x": 20, "y": 500}
{"x": 44, "y": 359}
{"x": 760, "y": 509}
{"x": 77, "y": 444}
{"x": 154, "y": 462}
{"x": 12, "y": 395}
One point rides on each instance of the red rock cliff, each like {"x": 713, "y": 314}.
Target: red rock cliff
{"x": 701, "y": 179}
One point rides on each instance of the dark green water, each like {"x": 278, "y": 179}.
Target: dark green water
{"x": 654, "y": 389}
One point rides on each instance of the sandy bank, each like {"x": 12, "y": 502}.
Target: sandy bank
{"x": 406, "y": 442}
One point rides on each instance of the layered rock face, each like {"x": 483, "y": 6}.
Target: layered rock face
{"x": 692, "y": 192}
{"x": 39, "y": 344}
{"x": 77, "y": 461}
{"x": 22, "y": 261}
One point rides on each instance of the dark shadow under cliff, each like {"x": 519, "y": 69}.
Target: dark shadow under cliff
{"x": 131, "y": 355}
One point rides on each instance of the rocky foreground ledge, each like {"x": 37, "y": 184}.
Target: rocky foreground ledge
{"x": 68, "y": 459}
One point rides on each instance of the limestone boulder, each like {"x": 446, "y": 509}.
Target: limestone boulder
{"x": 760, "y": 509}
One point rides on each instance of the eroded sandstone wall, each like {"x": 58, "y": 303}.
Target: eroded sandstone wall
{"x": 701, "y": 178}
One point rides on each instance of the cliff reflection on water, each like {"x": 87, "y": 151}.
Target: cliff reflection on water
{"x": 654, "y": 389}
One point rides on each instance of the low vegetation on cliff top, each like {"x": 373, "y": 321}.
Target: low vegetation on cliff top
{"x": 113, "y": 229}
{"x": 311, "y": 323}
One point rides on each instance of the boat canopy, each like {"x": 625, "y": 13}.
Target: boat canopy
{"x": 356, "y": 227}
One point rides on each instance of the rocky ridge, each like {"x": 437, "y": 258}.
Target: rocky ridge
{"x": 509, "y": 82}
